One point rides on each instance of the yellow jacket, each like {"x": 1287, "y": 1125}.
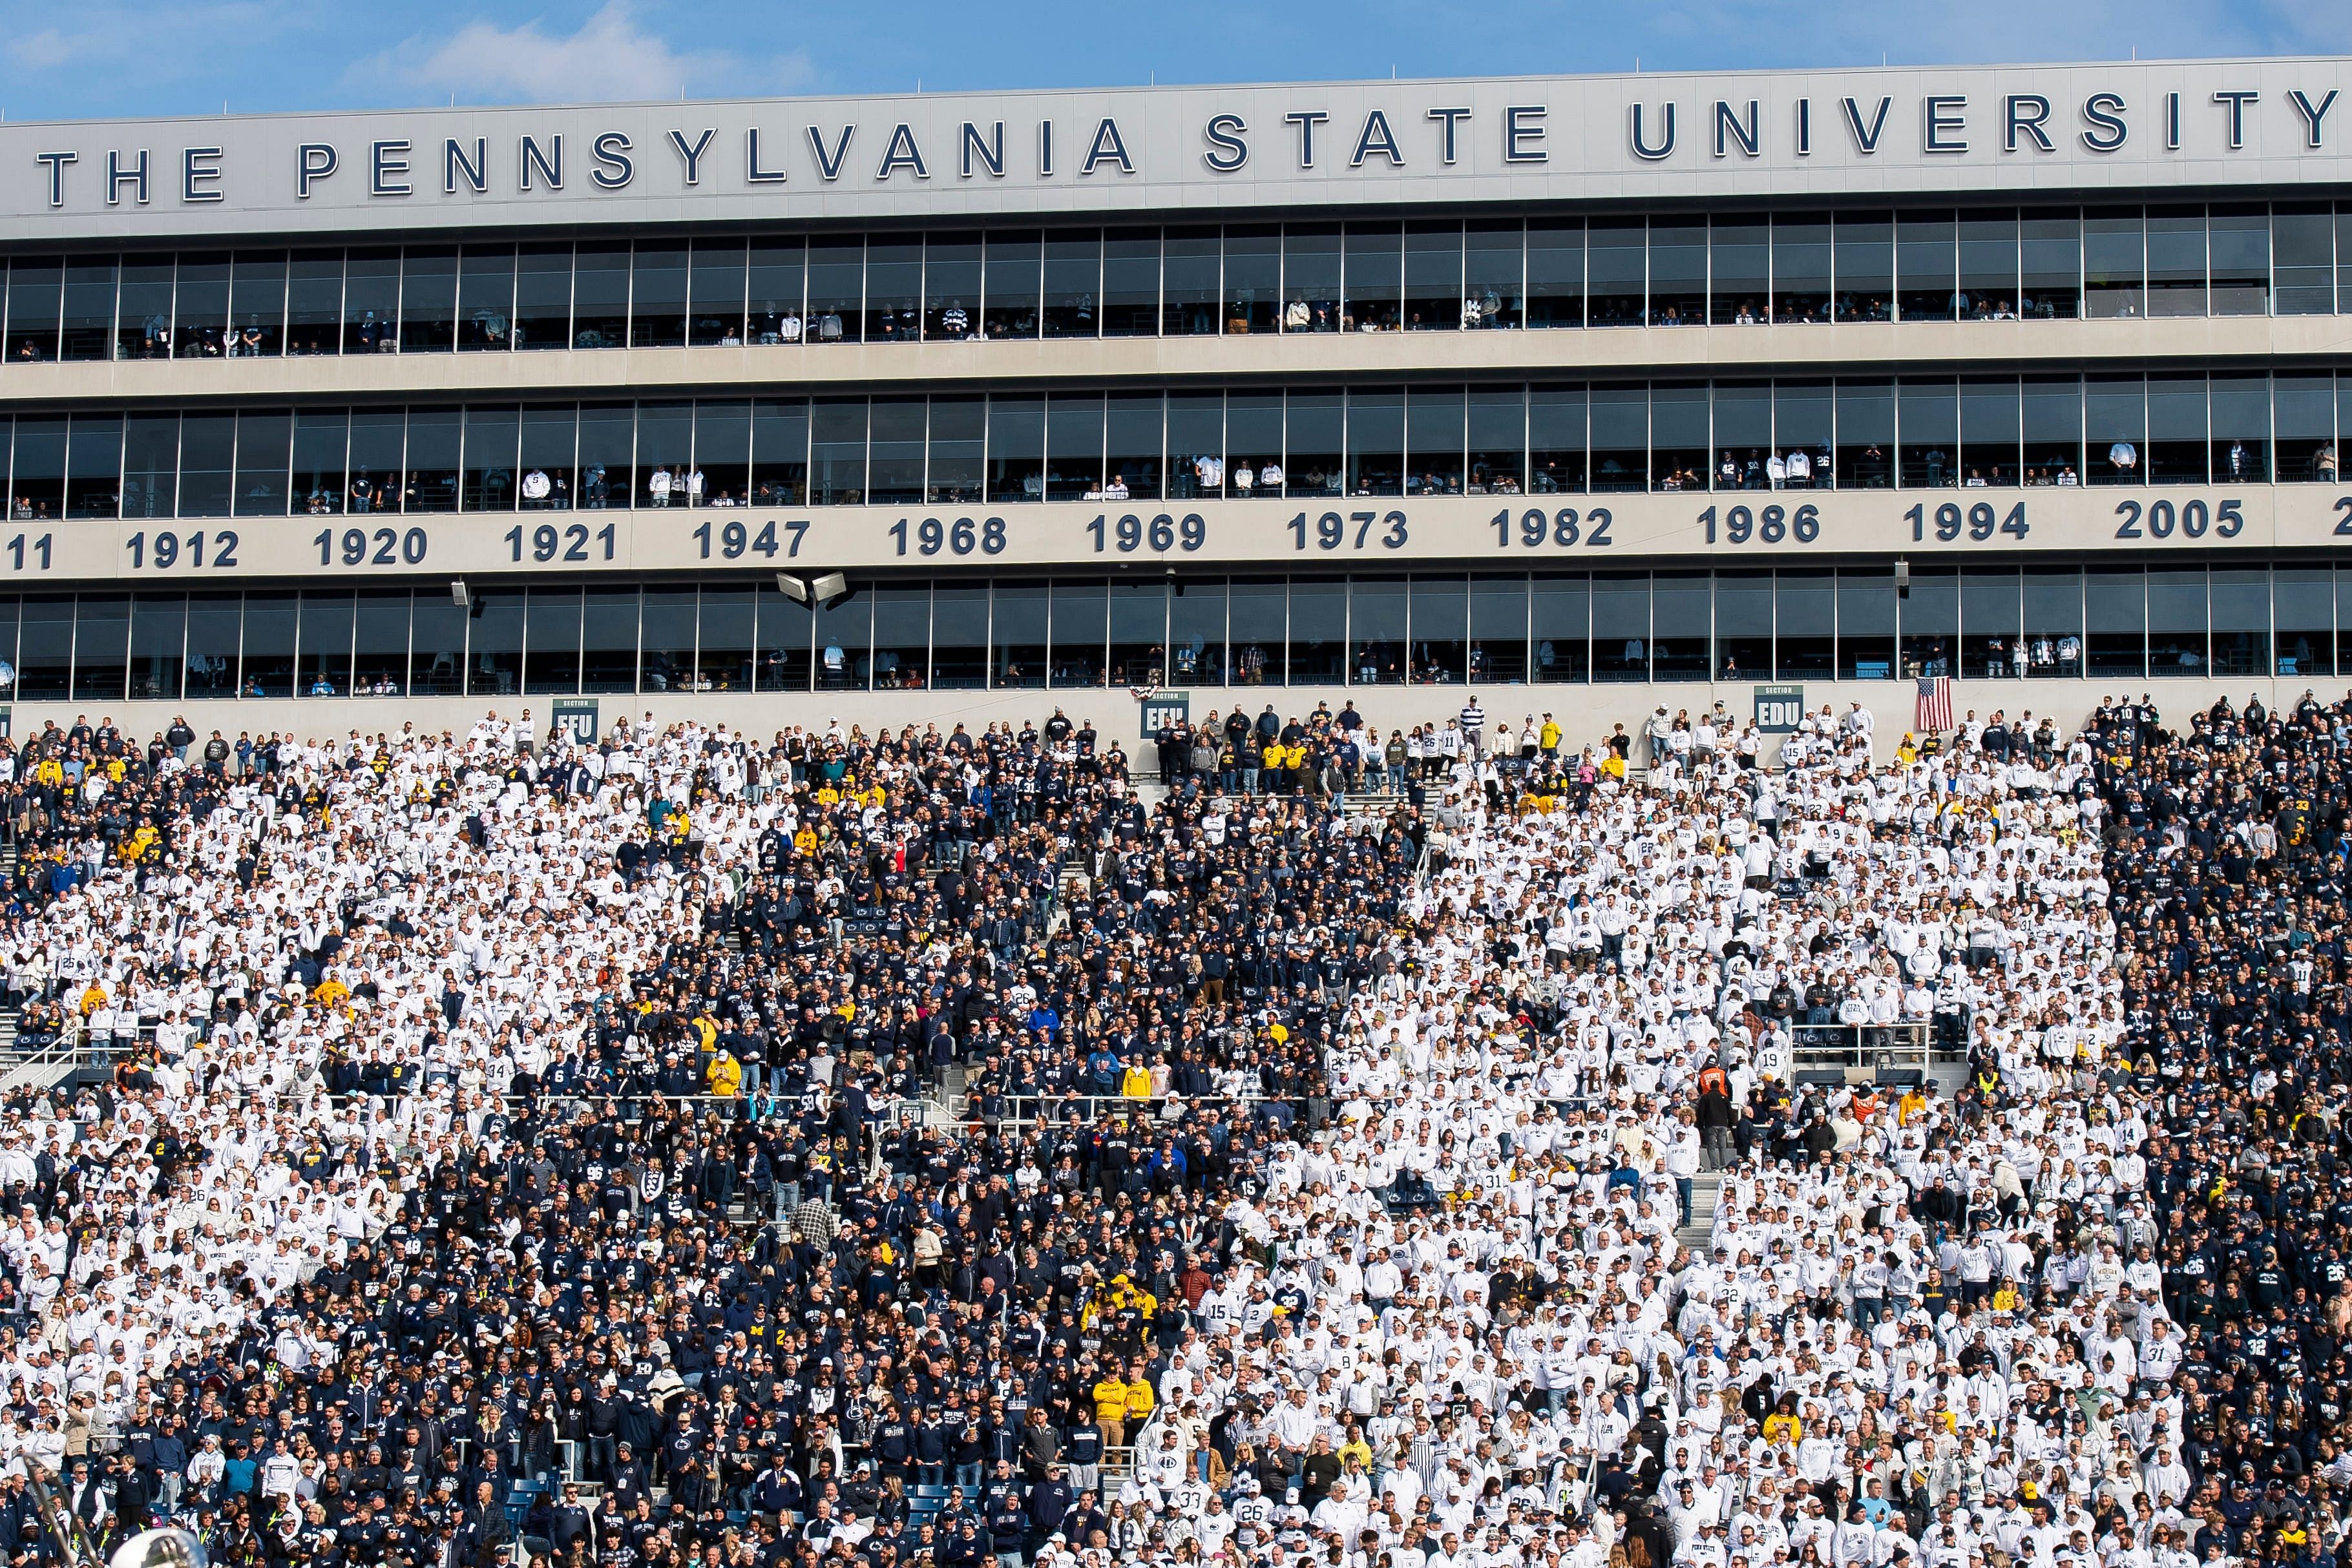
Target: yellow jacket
{"x": 1110, "y": 1399}
{"x": 725, "y": 1075}
{"x": 1135, "y": 1084}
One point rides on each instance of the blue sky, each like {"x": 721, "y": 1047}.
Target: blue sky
{"x": 107, "y": 57}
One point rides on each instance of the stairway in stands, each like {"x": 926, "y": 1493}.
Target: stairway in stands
{"x": 1698, "y": 1234}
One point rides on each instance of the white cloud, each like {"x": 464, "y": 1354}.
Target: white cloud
{"x": 610, "y": 57}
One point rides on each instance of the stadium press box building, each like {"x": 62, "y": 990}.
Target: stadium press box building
{"x": 1752, "y": 387}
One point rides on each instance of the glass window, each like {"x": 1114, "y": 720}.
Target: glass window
{"x": 1930, "y": 621}
{"x": 1499, "y": 276}
{"x": 377, "y": 478}
{"x": 429, "y": 298}
{"x": 45, "y": 661}
{"x": 434, "y": 439}
{"x": 2176, "y": 261}
{"x": 2241, "y": 621}
{"x": 1375, "y": 276}
{"x": 2116, "y": 610}
{"x": 2115, "y": 427}
{"x": 1989, "y": 431}
{"x": 2302, "y": 260}
{"x": 1132, "y": 429}
{"x": 1679, "y": 622}
{"x": 1016, "y": 449}
{"x": 39, "y": 481}
{"x": 1255, "y": 630}
{"x": 837, "y": 452}
{"x": 951, "y": 287}
{"x": 143, "y": 318}
{"x": 1498, "y": 631}
{"x": 1804, "y": 612}
{"x": 780, "y": 452}
{"x": 94, "y": 466}
{"x": 486, "y": 295}
{"x": 1989, "y": 624}
{"x": 1190, "y": 299}
{"x": 1130, "y": 290}
{"x": 837, "y": 288}
{"x": 600, "y": 296}
{"x": 607, "y": 453}
{"x": 1743, "y": 435}
{"x": 959, "y": 451}
{"x": 491, "y": 433}
{"x": 151, "y": 460}
{"x": 207, "y": 446}
{"x": 1252, "y": 438}
{"x": 1081, "y": 633}
{"x": 1196, "y": 444}
{"x": 323, "y": 664}
{"x": 1319, "y": 631}
{"x": 437, "y": 646}
{"x": 314, "y": 301}
{"x": 1074, "y": 261}
{"x": 1252, "y": 280}
{"x": 1865, "y": 266}
{"x": 2240, "y": 239}
{"x": 1930, "y": 434}
{"x": 1376, "y": 633}
{"x": 199, "y": 307}
{"x": 2176, "y": 621}
{"x": 778, "y": 274}
{"x": 725, "y": 644}
{"x": 1440, "y": 645}
{"x": 608, "y": 641}
{"x": 213, "y": 635}
{"x": 1073, "y": 447}
{"x": 715, "y": 293}
{"x": 371, "y": 301}
{"x": 1139, "y": 633}
{"x": 1743, "y": 625}
{"x": 1375, "y": 450}
{"x": 1928, "y": 286}
{"x": 1010, "y": 286}
{"x": 722, "y": 476}
{"x": 1559, "y": 625}
{"x": 1017, "y": 640}
{"x": 35, "y": 296}
{"x": 551, "y": 438}
{"x": 1739, "y": 292}
{"x": 322, "y": 439}
{"x": 2052, "y": 430}
{"x": 380, "y": 643}
{"x": 1801, "y": 268}
{"x": 89, "y": 284}
{"x": 1433, "y": 298}
{"x": 257, "y": 304}
{"x": 845, "y": 640}
{"x": 1620, "y": 626}
{"x": 1803, "y": 416}
{"x": 1557, "y": 440}
{"x": 2050, "y": 284}
{"x": 1677, "y": 273}
{"x": 1621, "y": 438}
{"x": 1617, "y": 266}
{"x": 551, "y": 641}
{"x": 657, "y": 284}
{"x": 1196, "y": 630}
{"x": 1498, "y": 441}
{"x": 666, "y": 640}
{"x": 2176, "y": 449}
{"x": 1311, "y": 279}
{"x": 2303, "y": 607}
{"x": 159, "y": 632}
{"x": 2115, "y": 263}
{"x": 266, "y": 668}
{"x": 264, "y": 441}
{"x": 893, "y": 288}
{"x": 664, "y": 452}
{"x": 2344, "y": 258}
{"x": 2052, "y": 633}
{"x": 542, "y": 313}
{"x": 1315, "y": 438}
{"x": 2303, "y": 407}
{"x": 960, "y": 636}
{"x": 1434, "y": 433}
{"x": 102, "y": 648}
{"x": 785, "y": 626}
{"x": 895, "y": 451}
{"x": 2240, "y": 419}
{"x": 1988, "y": 265}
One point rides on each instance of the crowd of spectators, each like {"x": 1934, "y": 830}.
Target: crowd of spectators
{"x": 930, "y": 1148}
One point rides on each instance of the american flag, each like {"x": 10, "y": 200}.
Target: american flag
{"x": 1935, "y": 705}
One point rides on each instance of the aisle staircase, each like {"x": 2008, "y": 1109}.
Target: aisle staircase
{"x": 1698, "y": 1236}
